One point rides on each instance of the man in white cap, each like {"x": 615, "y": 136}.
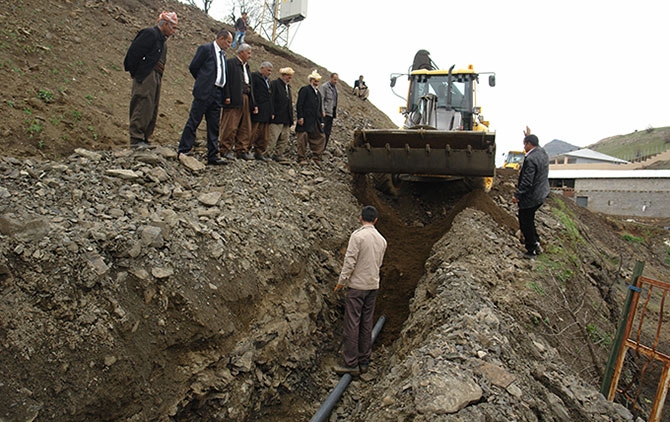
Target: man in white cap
{"x": 145, "y": 61}
{"x": 309, "y": 127}
{"x": 283, "y": 115}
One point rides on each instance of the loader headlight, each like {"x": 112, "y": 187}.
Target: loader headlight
{"x": 477, "y": 110}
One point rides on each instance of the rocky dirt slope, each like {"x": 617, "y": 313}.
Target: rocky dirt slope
{"x": 134, "y": 288}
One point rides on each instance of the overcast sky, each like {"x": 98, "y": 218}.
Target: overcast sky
{"x": 578, "y": 71}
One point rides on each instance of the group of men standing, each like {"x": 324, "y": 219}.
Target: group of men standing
{"x": 246, "y": 111}
{"x": 248, "y": 116}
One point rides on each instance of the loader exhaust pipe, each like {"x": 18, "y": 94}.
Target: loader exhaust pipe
{"x": 330, "y": 402}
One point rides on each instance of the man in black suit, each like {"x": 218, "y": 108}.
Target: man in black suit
{"x": 309, "y": 127}
{"x": 260, "y": 122}
{"x": 532, "y": 190}
{"x": 208, "y": 67}
{"x": 283, "y": 114}
{"x": 145, "y": 61}
{"x": 238, "y": 104}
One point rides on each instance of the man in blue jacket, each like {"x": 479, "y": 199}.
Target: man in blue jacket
{"x": 208, "y": 67}
{"x": 145, "y": 60}
{"x": 532, "y": 190}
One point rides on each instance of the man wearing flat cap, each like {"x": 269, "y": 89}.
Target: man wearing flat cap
{"x": 145, "y": 61}
{"x": 309, "y": 127}
{"x": 282, "y": 120}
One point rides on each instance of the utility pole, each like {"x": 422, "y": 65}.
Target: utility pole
{"x": 275, "y": 28}
{"x": 270, "y": 28}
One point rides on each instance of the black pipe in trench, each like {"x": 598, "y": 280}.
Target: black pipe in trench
{"x": 332, "y": 399}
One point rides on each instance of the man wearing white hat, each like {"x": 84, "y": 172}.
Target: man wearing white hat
{"x": 309, "y": 127}
{"x": 283, "y": 115}
{"x": 145, "y": 60}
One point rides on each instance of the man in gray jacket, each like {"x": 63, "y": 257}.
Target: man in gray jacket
{"x": 329, "y": 95}
{"x": 532, "y": 190}
{"x": 360, "y": 275}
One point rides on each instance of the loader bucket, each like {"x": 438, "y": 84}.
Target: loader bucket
{"x": 423, "y": 151}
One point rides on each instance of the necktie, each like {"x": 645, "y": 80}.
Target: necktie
{"x": 222, "y": 79}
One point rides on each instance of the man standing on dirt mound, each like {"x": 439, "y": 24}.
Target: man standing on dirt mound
{"x": 532, "y": 190}
{"x": 309, "y": 126}
{"x": 238, "y": 104}
{"x": 360, "y": 276}
{"x": 145, "y": 60}
{"x": 208, "y": 67}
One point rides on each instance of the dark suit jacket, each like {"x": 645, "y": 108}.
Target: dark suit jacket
{"x": 263, "y": 99}
{"x": 144, "y": 52}
{"x": 357, "y": 82}
{"x": 533, "y": 186}
{"x": 203, "y": 69}
{"x": 282, "y": 102}
{"x": 235, "y": 84}
{"x": 308, "y": 107}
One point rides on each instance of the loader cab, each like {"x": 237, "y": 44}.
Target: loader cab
{"x": 435, "y": 96}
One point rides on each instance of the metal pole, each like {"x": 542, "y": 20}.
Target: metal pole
{"x": 618, "y": 341}
{"x": 330, "y": 402}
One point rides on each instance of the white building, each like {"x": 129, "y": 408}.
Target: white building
{"x": 641, "y": 193}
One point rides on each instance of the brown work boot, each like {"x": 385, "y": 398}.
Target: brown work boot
{"x": 341, "y": 369}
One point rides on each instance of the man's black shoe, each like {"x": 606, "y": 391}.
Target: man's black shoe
{"x": 261, "y": 157}
{"x": 217, "y": 162}
{"x": 247, "y": 156}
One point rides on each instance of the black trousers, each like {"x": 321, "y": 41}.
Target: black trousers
{"x": 327, "y": 128}
{"x": 359, "y": 309}
{"x": 210, "y": 109}
{"x": 527, "y": 226}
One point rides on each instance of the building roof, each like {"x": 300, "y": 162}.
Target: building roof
{"x": 609, "y": 174}
{"x": 558, "y": 147}
{"x": 594, "y": 155}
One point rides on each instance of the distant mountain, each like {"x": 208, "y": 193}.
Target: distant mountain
{"x": 557, "y": 147}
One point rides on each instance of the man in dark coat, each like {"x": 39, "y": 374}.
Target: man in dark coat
{"x": 309, "y": 127}
{"x": 283, "y": 115}
{"x": 208, "y": 67}
{"x": 532, "y": 190}
{"x": 361, "y": 88}
{"x": 240, "y": 29}
{"x": 238, "y": 104}
{"x": 145, "y": 61}
{"x": 260, "y": 122}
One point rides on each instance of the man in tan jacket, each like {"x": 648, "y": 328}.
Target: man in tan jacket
{"x": 360, "y": 275}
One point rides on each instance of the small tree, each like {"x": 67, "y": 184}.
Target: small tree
{"x": 206, "y": 4}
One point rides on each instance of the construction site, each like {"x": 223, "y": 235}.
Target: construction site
{"x": 134, "y": 287}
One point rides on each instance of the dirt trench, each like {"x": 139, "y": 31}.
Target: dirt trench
{"x": 412, "y": 221}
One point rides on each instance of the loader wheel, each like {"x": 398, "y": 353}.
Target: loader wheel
{"x": 478, "y": 183}
{"x": 386, "y": 183}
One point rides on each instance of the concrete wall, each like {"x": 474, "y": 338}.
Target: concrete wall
{"x": 634, "y": 197}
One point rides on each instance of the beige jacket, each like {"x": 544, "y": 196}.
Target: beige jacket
{"x": 364, "y": 256}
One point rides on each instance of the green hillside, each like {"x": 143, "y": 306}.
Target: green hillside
{"x": 635, "y": 146}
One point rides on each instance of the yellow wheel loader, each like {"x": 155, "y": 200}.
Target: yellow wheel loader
{"x": 514, "y": 160}
{"x": 444, "y": 134}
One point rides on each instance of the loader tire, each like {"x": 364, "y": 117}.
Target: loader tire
{"x": 386, "y": 183}
{"x": 478, "y": 183}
